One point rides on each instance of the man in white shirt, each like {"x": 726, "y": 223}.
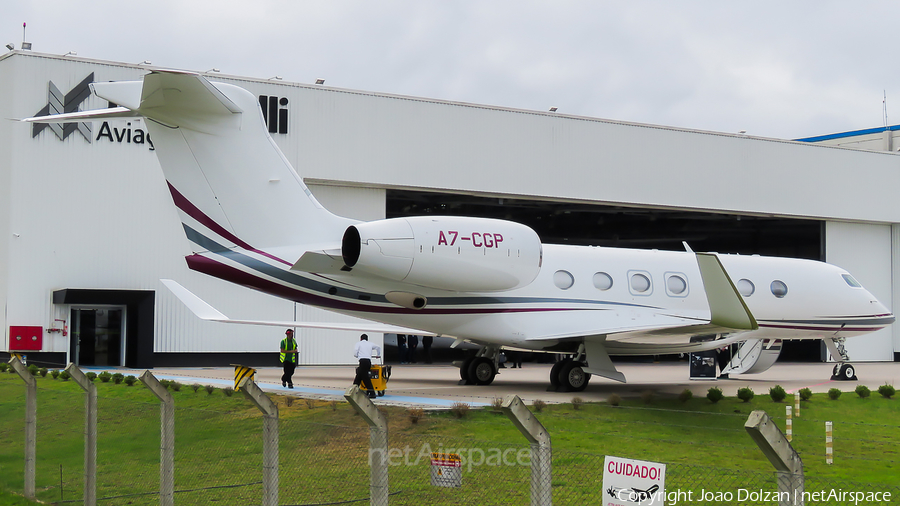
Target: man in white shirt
{"x": 364, "y": 352}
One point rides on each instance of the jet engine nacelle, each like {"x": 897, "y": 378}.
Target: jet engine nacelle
{"x": 445, "y": 252}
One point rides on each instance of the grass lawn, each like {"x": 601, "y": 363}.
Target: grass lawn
{"x": 323, "y": 446}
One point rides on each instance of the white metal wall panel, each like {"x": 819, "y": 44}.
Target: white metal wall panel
{"x": 895, "y": 276}
{"x": 409, "y": 143}
{"x": 865, "y": 251}
{"x": 7, "y": 96}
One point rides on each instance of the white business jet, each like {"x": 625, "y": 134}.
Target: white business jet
{"x": 252, "y": 221}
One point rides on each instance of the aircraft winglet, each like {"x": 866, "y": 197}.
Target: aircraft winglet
{"x": 726, "y": 306}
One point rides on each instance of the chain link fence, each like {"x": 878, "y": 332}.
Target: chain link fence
{"x": 218, "y": 455}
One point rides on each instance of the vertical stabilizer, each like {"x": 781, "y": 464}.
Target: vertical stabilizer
{"x": 230, "y": 182}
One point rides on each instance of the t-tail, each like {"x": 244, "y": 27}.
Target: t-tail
{"x": 231, "y": 183}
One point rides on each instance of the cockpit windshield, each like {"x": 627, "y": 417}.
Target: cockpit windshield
{"x": 851, "y": 281}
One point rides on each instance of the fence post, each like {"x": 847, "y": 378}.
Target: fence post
{"x": 797, "y": 404}
{"x": 829, "y": 444}
{"x": 781, "y": 454}
{"x": 30, "y": 424}
{"x": 270, "y": 438}
{"x": 378, "y": 444}
{"x": 541, "y": 450}
{"x": 166, "y": 438}
{"x": 90, "y": 433}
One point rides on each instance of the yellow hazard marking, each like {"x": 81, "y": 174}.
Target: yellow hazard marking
{"x": 240, "y": 373}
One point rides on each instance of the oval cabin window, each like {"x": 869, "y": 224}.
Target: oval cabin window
{"x": 746, "y": 287}
{"x": 676, "y": 285}
{"x": 640, "y": 283}
{"x": 563, "y": 280}
{"x": 779, "y": 289}
{"x": 603, "y": 281}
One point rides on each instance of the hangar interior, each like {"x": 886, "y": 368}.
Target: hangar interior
{"x": 372, "y": 155}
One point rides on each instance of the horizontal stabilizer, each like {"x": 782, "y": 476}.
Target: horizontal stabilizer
{"x": 78, "y": 117}
{"x": 206, "y": 312}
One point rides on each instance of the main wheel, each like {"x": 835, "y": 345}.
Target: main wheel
{"x": 554, "y": 371}
{"x": 481, "y": 371}
{"x": 381, "y": 393}
{"x": 573, "y": 378}
{"x": 464, "y": 369}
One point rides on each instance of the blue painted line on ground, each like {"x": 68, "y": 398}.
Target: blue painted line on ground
{"x": 269, "y": 387}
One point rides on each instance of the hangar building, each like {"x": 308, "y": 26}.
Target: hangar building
{"x": 88, "y": 228}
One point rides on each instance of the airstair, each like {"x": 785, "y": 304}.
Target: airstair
{"x": 754, "y": 356}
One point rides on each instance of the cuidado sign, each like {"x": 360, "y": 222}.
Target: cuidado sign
{"x": 628, "y": 482}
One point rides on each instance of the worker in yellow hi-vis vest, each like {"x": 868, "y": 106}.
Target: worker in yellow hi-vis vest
{"x": 289, "y": 355}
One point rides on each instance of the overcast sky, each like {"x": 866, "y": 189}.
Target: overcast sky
{"x": 784, "y": 69}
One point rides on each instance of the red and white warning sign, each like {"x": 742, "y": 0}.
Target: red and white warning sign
{"x": 446, "y": 469}
{"x": 628, "y": 482}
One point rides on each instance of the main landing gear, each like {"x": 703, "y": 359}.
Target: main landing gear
{"x": 480, "y": 369}
{"x": 568, "y": 374}
{"x": 843, "y": 371}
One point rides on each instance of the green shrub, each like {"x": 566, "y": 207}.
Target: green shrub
{"x": 130, "y": 380}
{"x": 745, "y": 394}
{"x": 805, "y": 394}
{"x": 175, "y": 386}
{"x": 685, "y": 395}
{"x": 715, "y": 394}
{"x": 777, "y": 393}
{"x": 577, "y": 402}
{"x": 54, "y": 373}
{"x": 165, "y": 383}
{"x": 3, "y": 366}
{"x": 497, "y": 404}
{"x": 105, "y": 376}
{"x": 195, "y": 387}
{"x": 862, "y": 391}
{"x": 64, "y": 376}
{"x": 117, "y": 378}
{"x": 210, "y": 389}
{"x": 887, "y": 391}
{"x": 91, "y": 376}
{"x": 43, "y": 372}
{"x": 33, "y": 369}
{"x": 228, "y": 391}
{"x": 614, "y": 400}
{"x": 834, "y": 393}
{"x": 539, "y": 405}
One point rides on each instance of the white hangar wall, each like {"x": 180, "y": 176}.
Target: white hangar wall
{"x": 97, "y": 215}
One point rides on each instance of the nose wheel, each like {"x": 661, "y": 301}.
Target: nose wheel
{"x": 844, "y": 372}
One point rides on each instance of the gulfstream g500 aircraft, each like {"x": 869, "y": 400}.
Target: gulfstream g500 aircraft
{"x": 252, "y": 221}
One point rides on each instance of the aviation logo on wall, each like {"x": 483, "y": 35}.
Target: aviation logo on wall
{"x": 57, "y": 103}
{"x": 275, "y": 112}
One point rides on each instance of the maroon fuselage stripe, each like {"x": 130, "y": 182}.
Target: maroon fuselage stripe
{"x": 219, "y": 270}
{"x": 194, "y": 212}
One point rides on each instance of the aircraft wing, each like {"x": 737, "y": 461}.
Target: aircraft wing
{"x": 204, "y": 311}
